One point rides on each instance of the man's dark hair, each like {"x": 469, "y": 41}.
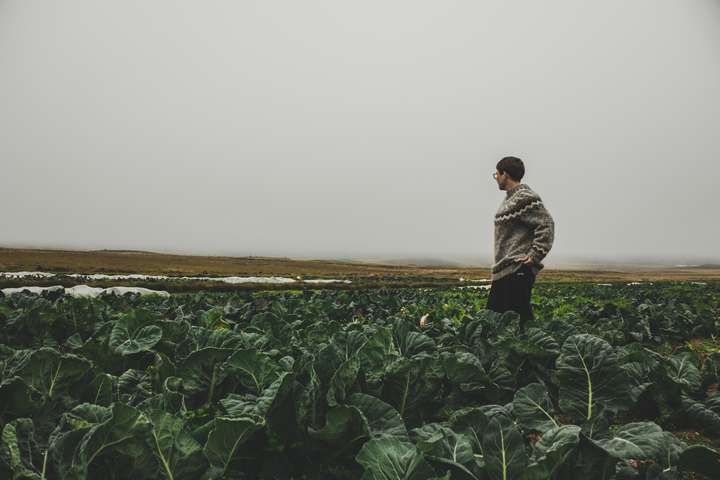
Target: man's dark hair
{"x": 513, "y": 166}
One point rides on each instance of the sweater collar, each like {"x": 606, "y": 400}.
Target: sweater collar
{"x": 517, "y": 187}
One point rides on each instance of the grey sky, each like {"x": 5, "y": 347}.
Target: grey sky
{"x": 335, "y": 128}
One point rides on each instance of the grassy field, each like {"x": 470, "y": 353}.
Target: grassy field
{"x": 116, "y": 262}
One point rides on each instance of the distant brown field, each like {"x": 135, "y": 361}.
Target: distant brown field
{"x": 115, "y": 262}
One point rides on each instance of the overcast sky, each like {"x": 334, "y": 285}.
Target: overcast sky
{"x": 348, "y": 128}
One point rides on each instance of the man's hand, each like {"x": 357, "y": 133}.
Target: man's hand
{"x": 527, "y": 260}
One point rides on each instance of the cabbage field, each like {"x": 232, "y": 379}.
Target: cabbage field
{"x": 610, "y": 382}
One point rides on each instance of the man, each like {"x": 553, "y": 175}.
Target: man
{"x": 524, "y": 234}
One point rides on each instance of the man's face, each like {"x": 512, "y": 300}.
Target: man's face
{"x": 501, "y": 179}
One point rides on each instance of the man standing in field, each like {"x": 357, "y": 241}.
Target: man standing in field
{"x": 524, "y": 234}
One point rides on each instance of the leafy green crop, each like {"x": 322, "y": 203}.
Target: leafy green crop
{"x": 321, "y": 385}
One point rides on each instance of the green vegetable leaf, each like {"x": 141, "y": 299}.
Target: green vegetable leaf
{"x": 135, "y": 333}
{"x": 179, "y": 454}
{"x": 643, "y": 441}
{"x": 504, "y": 449}
{"x": 224, "y": 445}
{"x": 388, "y": 458}
{"x": 592, "y": 383}
{"x": 20, "y": 456}
{"x": 533, "y": 408}
{"x": 700, "y": 459}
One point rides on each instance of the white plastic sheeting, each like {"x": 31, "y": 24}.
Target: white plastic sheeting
{"x": 138, "y": 290}
{"x": 135, "y": 276}
{"x": 84, "y": 291}
{"x": 477, "y": 287}
{"x": 102, "y": 276}
{"x": 27, "y": 274}
{"x": 34, "y": 290}
{"x": 234, "y": 280}
{"x": 326, "y": 280}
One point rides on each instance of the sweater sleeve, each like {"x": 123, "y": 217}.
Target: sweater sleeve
{"x": 543, "y": 226}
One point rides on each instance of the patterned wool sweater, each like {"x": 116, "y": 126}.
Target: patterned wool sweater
{"x": 523, "y": 226}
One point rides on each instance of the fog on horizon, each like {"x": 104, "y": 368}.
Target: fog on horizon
{"x": 346, "y": 129}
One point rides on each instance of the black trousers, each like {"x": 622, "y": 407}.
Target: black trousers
{"x": 512, "y": 292}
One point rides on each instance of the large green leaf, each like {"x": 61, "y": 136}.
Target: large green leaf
{"x": 446, "y": 448}
{"x": 590, "y": 462}
{"x": 260, "y": 406}
{"x": 555, "y": 449}
{"x": 710, "y": 372}
{"x": 178, "y": 453}
{"x": 17, "y": 398}
{"x": 683, "y": 372}
{"x": 533, "y": 408}
{"x": 410, "y": 342}
{"x": 20, "y": 456}
{"x": 326, "y": 361}
{"x": 465, "y": 370}
{"x": 565, "y": 453}
{"x": 174, "y": 332}
{"x": 214, "y": 319}
{"x": 203, "y": 370}
{"x": 472, "y": 335}
{"x": 701, "y": 459}
{"x": 309, "y": 404}
{"x": 379, "y": 417}
{"x": 123, "y": 434}
{"x": 413, "y": 386}
{"x": 134, "y": 386}
{"x": 342, "y": 380}
{"x": 35, "y": 382}
{"x": 712, "y": 402}
{"x": 135, "y": 332}
{"x": 592, "y": 383}
{"x": 343, "y": 425}
{"x": 638, "y": 374}
{"x": 388, "y": 458}
{"x": 100, "y": 389}
{"x": 91, "y": 439}
{"x": 224, "y": 445}
{"x": 504, "y": 449}
{"x": 201, "y": 337}
{"x": 471, "y": 421}
{"x": 349, "y": 426}
{"x": 51, "y": 373}
{"x": 643, "y": 441}
{"x": 377, "y": 351}
{"x": 169, "y": 399}
{"x": 701, "y": 415}
{"x": 537, "y": 344}
{"x": 255, "y": 370}
{"x": 96, "y": 349}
